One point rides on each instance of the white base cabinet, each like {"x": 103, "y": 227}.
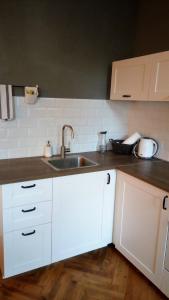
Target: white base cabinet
{"x": 82, "y": 219}
{"x": 25, "y": 226}
{"x": 141, "y": 227}
{"x": 36, "y": 231}
{"x": 27, "y": 249}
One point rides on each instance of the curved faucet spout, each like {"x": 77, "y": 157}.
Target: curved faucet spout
{"x": 63, "y": 149}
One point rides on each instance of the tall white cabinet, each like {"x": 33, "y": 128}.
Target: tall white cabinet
{"x": 143, "y": 78}
{"x": 83, "y": 209}
{"x": 141, "y": 227}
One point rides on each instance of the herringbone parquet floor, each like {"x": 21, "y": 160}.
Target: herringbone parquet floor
{"x": 99, "y": 275}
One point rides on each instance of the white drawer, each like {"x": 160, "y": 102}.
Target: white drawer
{"x": 15, "y": 218}
{"x": 27, "y": 249}
{"x": 16, "y": 194}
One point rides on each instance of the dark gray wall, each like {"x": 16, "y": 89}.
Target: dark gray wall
{"x": 64, "y": 46}
{"x": 152, "y": 34}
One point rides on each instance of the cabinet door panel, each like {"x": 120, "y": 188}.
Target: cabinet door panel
{"x": 159, "y": 87}
{"x": 166, "y": 261}
{"x": 164, "y": 255}
{"x": 130, "y": 79}
{"x": 141, "y": 210}
{"x": 27, "y": 249}
{"x": 77, "y": 214}
{"x": 108, "y": 207}
{"x": 138, "y": 223}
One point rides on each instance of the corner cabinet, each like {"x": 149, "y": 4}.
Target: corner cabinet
{"x": 141, "y": 228}
{"x": 143, "y": 78}
{"x": 83, "y": 209}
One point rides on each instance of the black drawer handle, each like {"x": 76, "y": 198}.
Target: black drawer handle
{"x": 164, "y": 202}
{"x": 28, "y": 210}
{"x": 126, "y": 96}
{"x": 29, "y": 233}
{"x": 108, "y": 178}
{"x": 28, "y": 186}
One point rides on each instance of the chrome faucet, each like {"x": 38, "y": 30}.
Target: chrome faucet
{"x": 63, "y": 148}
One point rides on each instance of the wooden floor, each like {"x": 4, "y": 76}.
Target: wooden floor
{"x": 99, "y": 275}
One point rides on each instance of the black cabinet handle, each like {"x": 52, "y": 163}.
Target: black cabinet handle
{"x": 29, "y": 233}
{"x": 164, "y": 202}
{"x": 28, "y": 210}
{"x": 108, "y": 178}
{"x": 28, "y": 186}
{"x": 126, "y": 96}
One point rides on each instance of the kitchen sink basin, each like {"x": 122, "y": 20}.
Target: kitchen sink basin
{"x": 69, "y": 162}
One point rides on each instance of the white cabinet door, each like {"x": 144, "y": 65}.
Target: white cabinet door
{"x": 166, "y": 260}
{"x": 78, "y": 209}
{"x": 108, "y": 206}
{"x": 159, "y": 86}
{"x": 26, "y": 249}
{"x": 131, "y": 79}
{"x": 164, "y": 251}
{"x": 138, "y": 224}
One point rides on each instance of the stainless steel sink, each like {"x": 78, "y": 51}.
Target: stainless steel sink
{"x": 69, "y": 162}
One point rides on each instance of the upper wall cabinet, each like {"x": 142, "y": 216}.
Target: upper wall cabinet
{"x": 130, "y": 79}
{"x": 159, "y": 84}
{"x": 142, "y": 78}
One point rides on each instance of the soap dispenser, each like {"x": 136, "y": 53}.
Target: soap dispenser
{"x": 48, "y": 149}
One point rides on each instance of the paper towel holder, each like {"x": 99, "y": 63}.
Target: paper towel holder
{"x": 31, "y": 94}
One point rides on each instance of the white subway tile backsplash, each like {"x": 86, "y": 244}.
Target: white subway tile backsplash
{"x": 27, "y": 123}
{"x": 7, "y": 124}
{"x": 38, "y": 132}
{"x": 3, "y": 154}
{"x": 151, "y": 119}
{"x": 3, "y": 133}
{"x": 30, "y": 142}
{"x": 47, "y": 122}
{"x": 18, "y": 152}
{"x": 6, "y": 144}
{"x": 15, "y": 133}
{"x": 35, "y": 124}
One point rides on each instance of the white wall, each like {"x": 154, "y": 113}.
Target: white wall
{"x": 151, "y": 119}
{"x": 35, "y": 124}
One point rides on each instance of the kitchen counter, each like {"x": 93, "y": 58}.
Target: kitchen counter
{"x": 155, "y": 172}
{"x": 23, "y": 169}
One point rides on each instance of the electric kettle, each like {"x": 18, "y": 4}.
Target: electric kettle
{"x": 146, "y": 148}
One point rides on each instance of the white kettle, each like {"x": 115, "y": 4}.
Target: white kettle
{"x": 146, "y": 148}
